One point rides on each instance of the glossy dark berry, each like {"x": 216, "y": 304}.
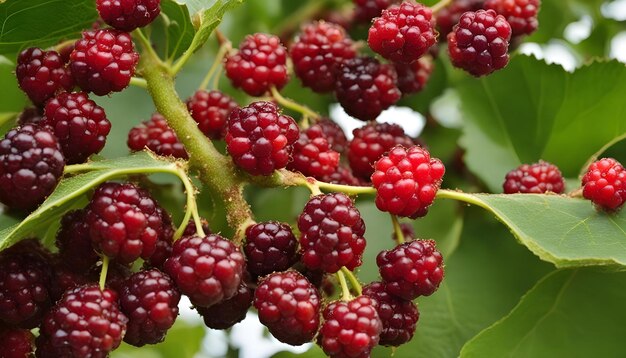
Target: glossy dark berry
{"x": 229, "y": 312}
{"x": 80, "y": 125}
{"x": 41, "y": 74}
{"x": 74, "y": 242}
{"x": 313, "y": 155}
{"x": 65, "y": 278}
{"x": 124, "y": 222}
{"x": 365, "y": 87}
{"x": 406, "y": 181}
{"x": 31, "y": 165}
{"x": 86, "y": 322}
{"x": 128, "y": 15}
{"x": 16, "y": 343}
{"x": 534, "y": 178}
{"x": 260, "y": 139}
{"x": 350, "y": 328}
{"x": 150, "y": 301}
{"x": 156, "y": 135}
{"x": 479, "y": 43}
{"x": 164, "y": 243}
{"x": 332, "y": 233}
{"x": 370, "y": 143}
{"x": 211, "y": 110}
{"x": 116, "y": 275}
{"x": 30, "y": 115}
{"x": 103, "y": 61}
{"x": 521, "y": 14}
{"x": 343, "y": 175}
{"x": 449, "y": 16}
{"x": 605, "y": 184}
{"x": 366, "y": 10}
{"x": 412, "y": 269}
{"x": 289, "y": 305}
{"x": 334, "y": 134}
{"x": 24, "y": 281}
{"x": 317, "y": 52}
{"x": 207, "y": 269}
{"x": 403, "y": 33}
{"x": 412, "y": 77}
{"x": 260, "y": 63}
{"x": 399, "y": 317}
{"x": 270, "y": 246}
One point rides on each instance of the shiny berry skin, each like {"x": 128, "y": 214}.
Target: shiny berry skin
{"x": 86, "y": 322}
{"x": 116, "y": 275}
{"x": 370, "y": 143}
{"x": 366, "y": 10}
{"x": 537, "y": 178}
{"x": 80, "y": 125}
{"x": 449, "y": 16}
{"x": 210, "y": 109}
{"x": 312, "y": 154}
{"x": 127, "y": 15}
{"x": 479, "y": 43}
{"x": 403, "y": 33}
{"x": 229, "y": 312}
{"x": 411, "y": 269}
{"x": 605, "y": 184}
{"x": 30, "y": 115}
{"x": 521, "y": 14}
{"x": 399, "y": 317}
{"x": 74, "y": 242}
{"x": 65, "y": 278}
{"x": 24, "y": 281}
{"x": 332, "y": 233}
{"x": 350, "y": 328}
{"x": 164, "y": 244}
{"x": 412, "y": 77}
{"x": 260, "y": 63}
{"x": 365, "y": 87}
{"x": 270, "y": 246}
{"x": 343, "y": 176}
{"x": 260, "y": 139}
{"x": 41, "y": 74}
{"x": 16, "y": 343}
{"x": 124, "y": 222}
{"x": 289, "y": 305}
{"x": 207, "y": 269}
{"x": 156, "y": 135}
{"x": 103, "y": 61}
{"x": 406, "y": 181}
{"x": 334, "y": 134}
{"x": 31, "y": 165}
{"x": 150, "y": 301}
{"x": 318, "y": 51}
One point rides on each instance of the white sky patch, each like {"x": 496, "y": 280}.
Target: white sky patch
{"x": 618, "y": 47}
{"x": 614, "y": 10}
{"x": 578, "y": 31}
{"x": 411, "y": 121}
{"x": 553, "y": 52}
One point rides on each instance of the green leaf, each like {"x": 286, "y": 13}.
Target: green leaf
{"x": 208, "y": 20}
{"x": 570, "y": 313}
{"x": 71, "y": 189}
{"x": 13, "y": 99}
{"x": 532, "y": 110}
{"x": 477, "y": 289}
{"x": 183, "y": 340}
{"x": 42, "y": 22}
{"x": 179, "y": 27}
{"x": 565, "y": 231}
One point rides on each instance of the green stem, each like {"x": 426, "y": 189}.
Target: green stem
{"x": 192, "y": 207}
{"x": 440, "y": 5}
{"x": 353, "y": 280}
{"x": 138, "y": 82}
{"x": 216, "y": 170}
{"x": 595, "y": 155}
{"x": 219, "y": 57}
{"x": 397, "y": 229}
{"x": 147, "y": 46}
{"x": 460, "y": 196}
{"x": 346, "y": 189}
{"x": 346, "y": 296}
{"x": 287, "y": 103}
{"x": 103, "y": 271}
